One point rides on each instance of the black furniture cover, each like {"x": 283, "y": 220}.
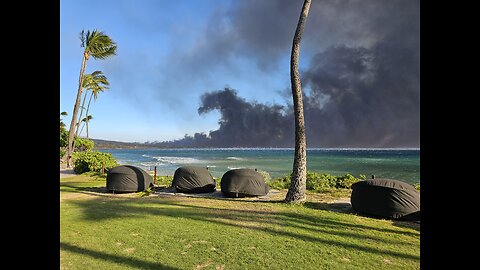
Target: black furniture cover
{"x": 127, "y": 178}
{"x": 386, "y": 198}
{"x": 192, "y": 179}
{"x": 243, "y": 183}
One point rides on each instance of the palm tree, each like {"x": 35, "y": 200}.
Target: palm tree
{"x": 296, "y": 191}
{"x": 85, "y": 120}
{"x": 99, "y": 46}
{"x": 95, "y": 82}
{"x": 88, "y": 118}
{"x": 62, "y": 125}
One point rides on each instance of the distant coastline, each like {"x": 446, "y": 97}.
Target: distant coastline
{"x": 101, "y": 144}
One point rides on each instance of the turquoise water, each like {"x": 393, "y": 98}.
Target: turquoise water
{"x": 401, "y": 164}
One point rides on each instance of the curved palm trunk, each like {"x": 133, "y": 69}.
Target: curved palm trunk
{"x": 81, "y": 113}
{"x": 75, "y": 111}
{"x": 88, "y": 108}
{"x": 296, "y": 192}
{"x": 83, "y": 126}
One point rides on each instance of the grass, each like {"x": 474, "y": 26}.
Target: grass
{"x": 127, "y": 231}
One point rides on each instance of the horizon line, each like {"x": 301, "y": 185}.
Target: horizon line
{"x": 280, "y": 148}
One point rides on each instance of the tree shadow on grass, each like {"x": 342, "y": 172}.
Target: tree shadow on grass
{"x": 340, "y": 207}
{"x": 344, "y": 207}
{"x": 407, "y": 224}
{"x": 90, "y": 189}
{"x": 135, "y": 263}
{"x": 308, "y": 228}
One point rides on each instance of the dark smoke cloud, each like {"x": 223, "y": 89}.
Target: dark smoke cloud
{"x": 242, "y": 123}
{"x": 368, "y": 100}
{"x": 262, "y": 31}
{"x": 246, "y": 124}
{"x": 361, "y": 88}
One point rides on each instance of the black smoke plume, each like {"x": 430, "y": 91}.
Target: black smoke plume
{"x": 361, "y": 87}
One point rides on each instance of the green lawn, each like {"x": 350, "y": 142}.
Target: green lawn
{"x": 104, "y": 231}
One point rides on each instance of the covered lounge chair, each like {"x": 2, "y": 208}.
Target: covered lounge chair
{"x": 192, "y": 179}
{"x": 127, "y": 178}
{"x": 239, "y": 183}
{"x": 386, "y": 198}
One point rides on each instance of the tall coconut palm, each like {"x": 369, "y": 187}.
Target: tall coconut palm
{"x": 99, "y": 46}
{"x": 95, "y": 82}
{"x": 296, "y": 192}
{"x": 99, "y": 86}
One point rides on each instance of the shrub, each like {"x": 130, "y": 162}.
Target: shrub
{"x": 217, "y": 182}
{"x": 317, "y": 181}
{"x": 145, "y": 193}
{"x": 164, "y": 180}
{"x": 82, "y": 144}
{"x": 92, "y": 161}
{"x": 63, "y": 150}
{"x": 417, "y": 186}
{"x": 280, "y": 183}
{"x": 63, "y": 138}
{"x": 265, "y": 175}
{"x": 346, "y": 181}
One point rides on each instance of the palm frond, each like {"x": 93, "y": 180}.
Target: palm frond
{"x": 99, "y": 45}
{"x": 104, "y": 52}
{"x": 97, "y": 73}
{"x": 96, "y": 82}
{"x": 83, "y": 38}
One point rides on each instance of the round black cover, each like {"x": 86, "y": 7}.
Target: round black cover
{"x": 126, "y": 178}
{"x": 192, "y": 179}
{"x": 243, "y": 183}
{"x": 386, "y": 198}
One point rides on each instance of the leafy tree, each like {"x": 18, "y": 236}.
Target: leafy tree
{"x": 63, "y": 135}
{"x": 99, "y": 46}
{"x": 63, "y": 138}
{"x": 62, "y": 125}
{"x": 82, "y": 144}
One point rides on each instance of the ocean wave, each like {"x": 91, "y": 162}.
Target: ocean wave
{"x": 146, "y": 164}
{"x": 365, "y": 149}
{"x": 176, "y": 160}
{"x": 234, "y": 158}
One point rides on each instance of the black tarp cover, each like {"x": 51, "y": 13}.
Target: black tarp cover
{"x": 192, "y": 179}
{"x": 386, "y": 198}
{"x": 126, "y": 178}
{"x": 243, "y": 183}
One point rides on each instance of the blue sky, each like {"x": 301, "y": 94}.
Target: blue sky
{"x": 156, "y": 38}
{"x": 359, "y": 64}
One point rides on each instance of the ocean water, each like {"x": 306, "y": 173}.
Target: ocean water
{"x": 401, "y": 164}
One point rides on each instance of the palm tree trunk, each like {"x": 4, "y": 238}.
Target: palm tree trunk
{"x": 296, "y": 192}
{"x": 75, "y": 111}
{"x": 81, "y": 112}
{"x": 82, "y": 126}
{"x": 87, "y": 128}
{"x": 88, "y": 108}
